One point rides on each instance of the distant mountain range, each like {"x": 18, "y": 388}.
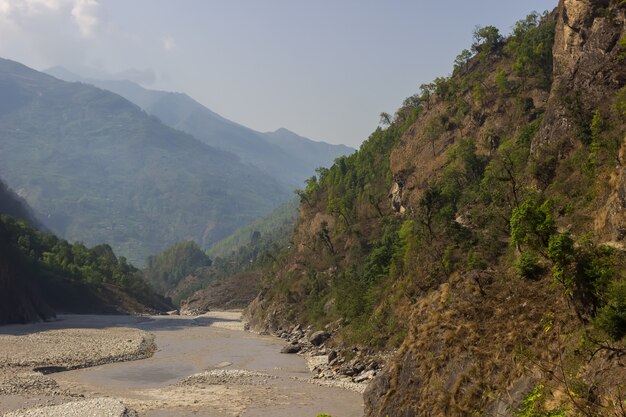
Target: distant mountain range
{"x": 284, "y": 155}
{"x": 96, "y": 168}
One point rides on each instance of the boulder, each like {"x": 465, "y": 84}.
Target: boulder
{"x": 318, "y": 338}
{"x": 291, "y": 349}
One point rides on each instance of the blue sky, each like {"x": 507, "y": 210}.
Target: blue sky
{"x": 324, "y": 69}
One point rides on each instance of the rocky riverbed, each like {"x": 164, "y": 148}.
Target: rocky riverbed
{"x": 160, "y": 366}
{"x": 348, "y": 368}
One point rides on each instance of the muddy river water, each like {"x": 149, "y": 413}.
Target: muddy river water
{"x": 250, "y": 378}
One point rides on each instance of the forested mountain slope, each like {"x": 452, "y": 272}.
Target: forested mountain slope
{"x": 283, "y": 154}
{"x": 480, "y": 232}
{"x": 231, "y": 267}
{"x": 96, "y": 168}
{"x": 41, "y": 274}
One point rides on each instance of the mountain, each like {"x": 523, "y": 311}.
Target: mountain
{"x": 13, "y": 205}
{"x": 96, "y": 168}
{"x": 286, "y": 156}
{"x": 185, "y": 271}
{"x": 41, "y": 274}
{"x": 469, "y": 259}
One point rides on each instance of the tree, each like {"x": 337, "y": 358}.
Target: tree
{"x": 385, "y": 119}
{"x": 487, "y": 40}
{"x": 427, "y": 90}
{"x": 461, "y": 61}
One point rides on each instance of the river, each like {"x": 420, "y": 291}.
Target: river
{"x": 248, "y": 377}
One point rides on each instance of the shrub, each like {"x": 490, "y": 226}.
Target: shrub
{"x": 622, "y": 47}
{"x": 533, "y": 405}
{"x": 502, "y": 82}
{"x": 612, "y": 317}
{"x": 527, "y": 265}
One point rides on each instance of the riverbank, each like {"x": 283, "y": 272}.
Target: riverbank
{"x": 205, "y": 365}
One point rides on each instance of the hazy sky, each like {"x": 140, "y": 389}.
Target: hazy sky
{"x": 324, "y": 69}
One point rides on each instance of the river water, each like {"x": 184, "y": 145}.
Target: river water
{"x": 213, "y": 342}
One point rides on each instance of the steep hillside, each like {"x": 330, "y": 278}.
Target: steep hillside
{"x": 98, "y": 169}
{"x": 230, "y": 277}
{"x": 41, "y": 274}
{"x": 276, "y": 227}
{"x": 20, "y": 299}
{"x": 478, "y": 236}
{"x": 284, "y": 155}
{"x": 12, "y": 205}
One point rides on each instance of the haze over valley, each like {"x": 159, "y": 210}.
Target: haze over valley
{"x": 172, "y": 243}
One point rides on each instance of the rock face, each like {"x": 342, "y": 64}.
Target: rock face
{"x": 587, "y": 73}
{"x": 586, "y": 68}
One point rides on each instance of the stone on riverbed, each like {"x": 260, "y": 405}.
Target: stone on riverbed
{"x": 291, "y": 349}
{"x": 99, "y": 407}
{"x": 318, "y": 338}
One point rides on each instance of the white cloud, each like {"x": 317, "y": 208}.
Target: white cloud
{"x": 85, "y": 13}
{"x": 22, "y": 8}
{"x": 169, "y": 43}
{"x": 5, "y": 7}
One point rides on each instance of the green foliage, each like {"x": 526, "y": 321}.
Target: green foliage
{"x": 50, "y": 255}
{"x": 276, "y": 226}
{"x": 561, "y": 253}
{"x": 363, "y": 176}
{"x": 527, "y": 265}
{"x": 532, "y": 224}
{"x": 531, "y": 46}
{"x": 487, "y": 40}
{"x": 621, "y": 44}
{"x": 165, "y": 270}
{"x": 533, "y": 405}
{"x": 461, "y": 61}
{"x": 596, "y": 128}
{"x": 102, "y": 170}
{"x": 502, "y": 82}
{"x": 580, "y": 116}
{"x": 611, "y": 318}
{"x": 620, "y": 102}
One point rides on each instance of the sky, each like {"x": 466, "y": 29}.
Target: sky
{"x": 324, "y": 69}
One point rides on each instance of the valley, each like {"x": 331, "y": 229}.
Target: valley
{"x": 469, "y": 259}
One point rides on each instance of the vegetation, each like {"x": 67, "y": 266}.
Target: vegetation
{"x": 52, "y": 259}
{"x": 99, "y": 169}
{"x": 466, "y": 210}
{"x": 165, "y": 270}
{"x": 284, "y": 155}
{"x": 184, "y": 268}
{"x": 279, "y": 224}
{"x": 533, "y": 405}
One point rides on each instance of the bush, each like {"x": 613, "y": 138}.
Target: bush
{"x": 533, "y": 405}
{"x": 527, "y": 265}
{"x": 612, "y": 317}
{"x": 622, "y": 46}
